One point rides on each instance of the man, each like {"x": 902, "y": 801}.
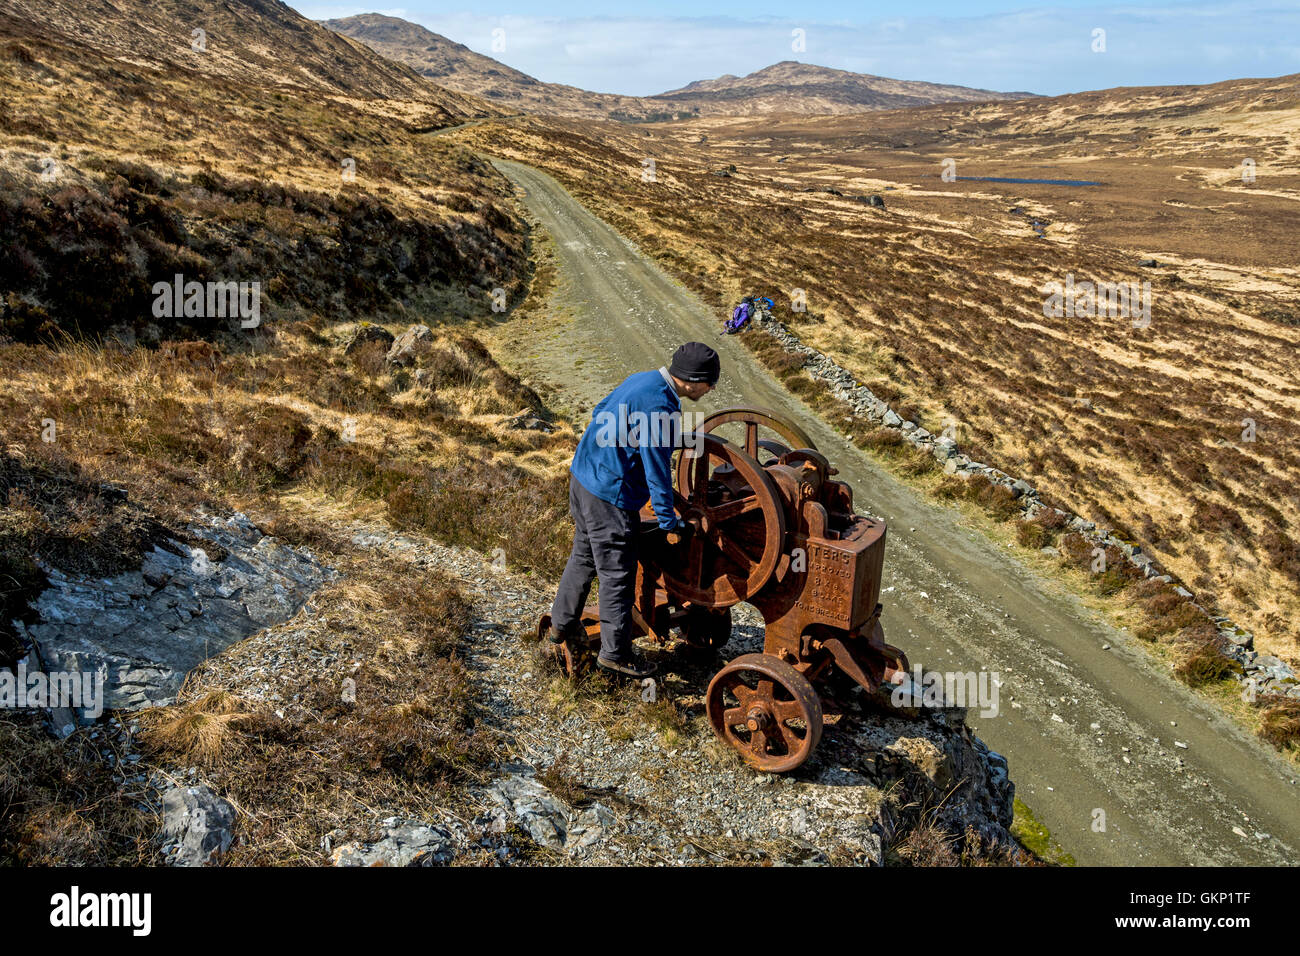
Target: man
{"x": 624, "y": 458}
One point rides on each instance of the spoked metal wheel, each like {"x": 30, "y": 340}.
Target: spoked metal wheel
{"x": 766, "y": 710}
{"x": 748, "y": 427}
{"x": 739, "y": 520}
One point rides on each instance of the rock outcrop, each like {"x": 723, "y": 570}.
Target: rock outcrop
{"x": 145, "y": 630}
{"x": 410, "y": 345}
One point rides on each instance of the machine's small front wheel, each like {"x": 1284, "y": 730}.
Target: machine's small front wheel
{"x": 766, "y": 710}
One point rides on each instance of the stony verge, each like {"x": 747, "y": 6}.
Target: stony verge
{"x": 608, "y": 779}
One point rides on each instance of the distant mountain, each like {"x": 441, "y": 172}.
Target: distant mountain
{"x": 793, "y": 87}
{"x": 783, "y": 87}
{"x": 457, "y": 67}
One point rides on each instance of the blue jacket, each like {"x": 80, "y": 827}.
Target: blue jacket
{"x": 625, "y": 455}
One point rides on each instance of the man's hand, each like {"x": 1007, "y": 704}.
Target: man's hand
{"x": 681, "y": 533}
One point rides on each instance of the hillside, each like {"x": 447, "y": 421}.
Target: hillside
{"x": 457, "y": 67}
{"x": 135, "y": 439}
{"x": 307, "y": 545}
{"x": 282, "y": 154}
{"x": 782, "y": 87}
{"x": 258, "y": 42}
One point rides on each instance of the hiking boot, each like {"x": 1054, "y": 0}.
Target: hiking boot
{"x": 635, "y": 667}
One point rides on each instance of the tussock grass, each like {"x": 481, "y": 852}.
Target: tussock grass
{"x": 614, "y": 704}
{"x": 199, "y": 732}
{"x": 1280, "y": 721}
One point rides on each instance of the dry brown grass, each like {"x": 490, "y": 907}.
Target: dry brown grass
{"x": 246, "y": 427}
{"x": 199, "y": 732}
{"x": 923, "y": 838}
{"x": 1280, "y": 721}
{"x": 59, "y": 804}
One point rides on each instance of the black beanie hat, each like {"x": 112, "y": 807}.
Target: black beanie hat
{"x": 696, "y": 362}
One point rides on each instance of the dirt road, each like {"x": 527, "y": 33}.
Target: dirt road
{"x": 1086, "y": 731}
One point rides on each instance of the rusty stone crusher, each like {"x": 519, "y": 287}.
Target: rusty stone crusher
{"x": 772, "y": 528}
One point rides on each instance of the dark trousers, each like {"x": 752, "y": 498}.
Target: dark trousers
{"x": 604, "y": 547}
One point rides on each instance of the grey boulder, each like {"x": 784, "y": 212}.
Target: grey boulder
{"x": 411, "y": 345}
{"x": 547, "y": 819}
{"x": 197, "y": 824}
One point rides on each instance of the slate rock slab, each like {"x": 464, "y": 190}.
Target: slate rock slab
{"x": 146, "y": 630}
{"x": 404, "y": 843}
{"x": 548, "y": 820}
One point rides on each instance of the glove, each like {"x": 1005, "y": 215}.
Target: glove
{"x": 681, "y": 532}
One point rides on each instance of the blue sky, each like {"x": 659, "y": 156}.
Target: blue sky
{"x": 653, "y": 47}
